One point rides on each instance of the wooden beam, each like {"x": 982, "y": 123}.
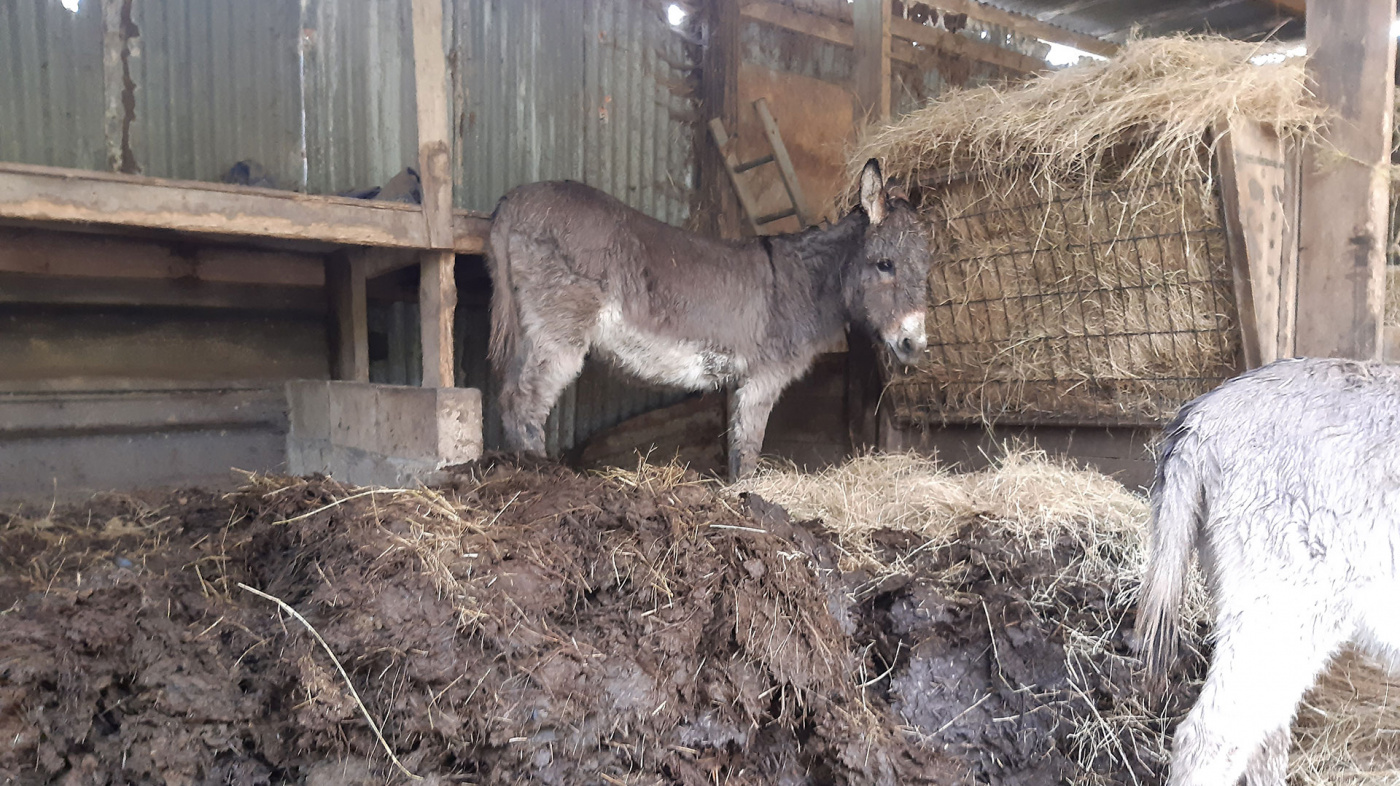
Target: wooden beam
{"x": 788, "y": 18}
{"x": 1288, "y": 274}
{"x": 95, "y": 291}
{"x": 349, "y": 311}
{"x": 904, "y": 32}
{"x": 53, "y": 194}
{"x": 1345, "y": 188}
{"x": 70, "y": 255}
{"x": 872, "y": 69}
{"x": 1028, "y": 26}
{"x": 437, "y": 303}
{"x": 719, "y": 101}
{"x": 109, "y": 412}
{"x": 1298, "y": 8}
{"x": 470, "y": 231}
{"x": 434, "y": 124}
{"x": 962, "y": 46}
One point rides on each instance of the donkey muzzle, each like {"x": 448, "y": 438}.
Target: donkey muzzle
{"x": 907, "y": 341}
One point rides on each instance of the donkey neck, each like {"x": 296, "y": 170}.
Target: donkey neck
{"x": 817, "y": 262}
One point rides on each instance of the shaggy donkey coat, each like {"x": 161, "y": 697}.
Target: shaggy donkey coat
{"x": 1286, "y": 482}
{"x": 575, "y": 271}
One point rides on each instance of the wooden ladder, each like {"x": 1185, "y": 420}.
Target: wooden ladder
{"x": 778, "y": 155}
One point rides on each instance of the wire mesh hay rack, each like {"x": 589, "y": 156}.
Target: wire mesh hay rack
{"x": 1080, "y": 306}
{"x": 1115, "y": 238}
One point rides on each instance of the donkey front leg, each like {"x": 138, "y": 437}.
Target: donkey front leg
{"x": 531, "y": 385}
{"x": 749, "y": 407}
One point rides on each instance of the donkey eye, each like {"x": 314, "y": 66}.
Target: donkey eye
{"x": 885, "y": 266}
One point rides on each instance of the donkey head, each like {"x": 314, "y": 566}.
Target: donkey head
{"x": 886, "y": 285}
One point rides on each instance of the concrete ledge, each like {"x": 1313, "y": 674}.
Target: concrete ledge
{"x": 380, "y": 435}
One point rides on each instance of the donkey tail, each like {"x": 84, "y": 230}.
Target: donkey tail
{"x": 505, "y": 312}
{"x": 1178, "y": 508}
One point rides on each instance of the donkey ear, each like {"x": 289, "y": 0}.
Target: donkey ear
{"x": 895, "y": 190}
{"x": 872, "y": 192}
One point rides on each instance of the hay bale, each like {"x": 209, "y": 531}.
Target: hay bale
{"x": 1081, "y": 267}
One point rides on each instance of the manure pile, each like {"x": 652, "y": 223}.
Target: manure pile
{"x": 526, "y": 623}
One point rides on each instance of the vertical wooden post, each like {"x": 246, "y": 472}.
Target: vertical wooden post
{"x": 437, "y": 290}
{"x": 437, "y": 301}
{"x": 872, "y": 75}
{"x": 345, "y": 286}
{"x": 1345, "y": 180}
{"x": 719, "y": 100}
{"x": 434, "y": 126}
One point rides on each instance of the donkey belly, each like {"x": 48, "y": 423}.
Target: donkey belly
{"x": 663, "y": 360}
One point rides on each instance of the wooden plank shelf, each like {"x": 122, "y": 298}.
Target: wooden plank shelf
{"x": 56, "y": 195}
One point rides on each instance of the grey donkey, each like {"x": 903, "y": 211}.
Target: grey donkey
{"x": 1286, "y": 482}
{"x": 575, "y": 271}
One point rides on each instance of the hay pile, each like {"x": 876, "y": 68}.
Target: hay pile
{"x": 1081, "y": 266}
{"x": 1089, "y": 528}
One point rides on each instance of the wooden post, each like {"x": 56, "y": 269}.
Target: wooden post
{"x": 719, "y": 100}
{"x": 437, "y": 301}
{"x": 345, "y": 286}
{"x": 437, "y": 290}
{"x": 1253, "y": 169}
{"x": 434, "y": 127}
{"x": 872, "y": 73}
{"x": 1345, "y": 185}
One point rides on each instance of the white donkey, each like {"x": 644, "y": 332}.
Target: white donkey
{"x": 1286, "y": 481}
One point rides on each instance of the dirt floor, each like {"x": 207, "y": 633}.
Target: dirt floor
{"x": 527, "y": 623}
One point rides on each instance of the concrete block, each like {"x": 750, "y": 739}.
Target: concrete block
{"x": 407, "y": 422}
{"x": 459, "y": 422}
{"x": 307, "y": 456}
{"x": 353, "y": 415}
{"x": 309, "y": 408}
{"x": 381, "y": 435}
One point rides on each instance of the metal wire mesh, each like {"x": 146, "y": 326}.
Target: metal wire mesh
{"x": 1086, "y": 307}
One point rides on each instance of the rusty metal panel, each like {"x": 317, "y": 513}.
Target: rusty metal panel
{"x": 217, "y": 81}
{"x": 51, "y": 104}
{"x": 361, "y": 122}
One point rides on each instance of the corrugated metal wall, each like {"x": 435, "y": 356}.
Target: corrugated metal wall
{"x": 592, "y": 91}
{"x": 320, "y": 92}
{"x": 217, "y": 81}
{"x": 361, "y": 121}
{"x": 51, "y": 104}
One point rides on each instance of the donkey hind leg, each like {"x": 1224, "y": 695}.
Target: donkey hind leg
{"x": 749, "y": 407}
{"x": 1266, "y": 658}
{"x": 1269, "y": 767}
{"x": 533, "y": 381}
